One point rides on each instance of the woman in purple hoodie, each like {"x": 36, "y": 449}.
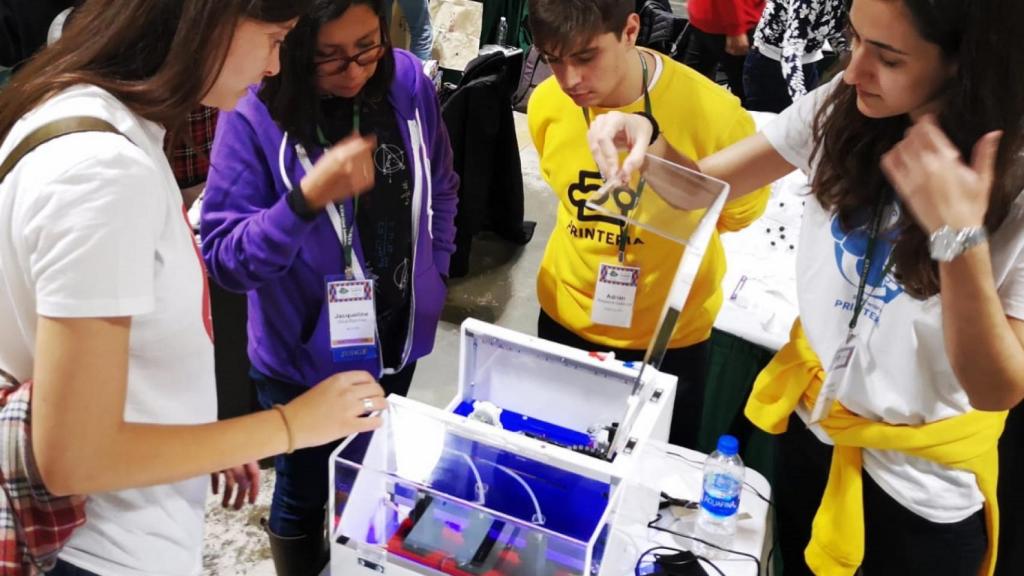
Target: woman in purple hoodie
{"x": 310, "y": 262}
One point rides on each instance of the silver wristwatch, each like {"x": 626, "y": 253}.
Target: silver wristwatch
{"x": 947, "y": 243}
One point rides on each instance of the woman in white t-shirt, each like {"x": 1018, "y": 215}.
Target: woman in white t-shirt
{"x": 909, "y": 173}
{"x": 103, "y": 298}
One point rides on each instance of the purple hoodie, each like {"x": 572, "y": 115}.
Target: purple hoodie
{"x": 253, "y": 242}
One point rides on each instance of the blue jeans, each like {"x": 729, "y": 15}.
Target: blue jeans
{"x": 764, "y": 85}
{"x": 65, "y": 569}
{"x": 418, "y": 17}
{"x": 300, "y": 491}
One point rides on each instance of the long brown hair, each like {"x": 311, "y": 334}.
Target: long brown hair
{"x": 158, "y": 57}
{"x": 987, "y": 93}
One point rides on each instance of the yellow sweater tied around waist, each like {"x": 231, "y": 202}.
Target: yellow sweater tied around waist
{"x": 967, "y": 442}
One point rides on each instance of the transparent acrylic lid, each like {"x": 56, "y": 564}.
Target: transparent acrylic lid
{"x": 681, "y": 205}
{"x": 676, "y": 202}
{"x": 429, "y": 488}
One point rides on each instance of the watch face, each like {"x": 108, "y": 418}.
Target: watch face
{"x": 944, "y": 245}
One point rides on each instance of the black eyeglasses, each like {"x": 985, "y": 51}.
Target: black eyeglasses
{"x": 338, "y": 64}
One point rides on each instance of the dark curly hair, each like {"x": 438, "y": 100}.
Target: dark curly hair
{"x": 986, "y": 94}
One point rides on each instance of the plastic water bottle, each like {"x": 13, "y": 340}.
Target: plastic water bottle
{"x": 723, "y": 482}
{"x": 502, "y": 31}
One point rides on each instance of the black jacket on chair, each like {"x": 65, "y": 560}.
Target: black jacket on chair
{"x": 478, "y": 115}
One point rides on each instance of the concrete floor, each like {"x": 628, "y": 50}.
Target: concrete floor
{"x": 500, "y": 288}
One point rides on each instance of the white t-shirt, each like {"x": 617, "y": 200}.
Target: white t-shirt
{"x": 91, "y": 225}
{"x": 903, "y": 375}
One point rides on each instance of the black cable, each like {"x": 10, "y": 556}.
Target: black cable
{"x": 771, "y": 504}
{"x": 696, "y": 558}
{"x": 700, "y": 464}
{"x": 652, "y": 526}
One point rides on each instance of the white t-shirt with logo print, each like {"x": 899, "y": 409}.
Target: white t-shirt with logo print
{"x": 91, "y": 225}
{"x": 903, "y": 375}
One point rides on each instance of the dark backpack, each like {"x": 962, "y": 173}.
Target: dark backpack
{"x": 535, "y": 70}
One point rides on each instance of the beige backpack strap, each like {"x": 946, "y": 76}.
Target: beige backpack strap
{"x": 49, "y": 131}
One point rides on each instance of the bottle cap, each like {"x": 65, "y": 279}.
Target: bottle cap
{"x": 728, "y": 445}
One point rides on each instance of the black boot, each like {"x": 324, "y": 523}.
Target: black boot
{"x": 304, "y": 555}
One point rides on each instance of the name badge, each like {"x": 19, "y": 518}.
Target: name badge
{"x": 615, "y": 295}
{"x": 835, "y": 378}
{"x": 352, "y": 318}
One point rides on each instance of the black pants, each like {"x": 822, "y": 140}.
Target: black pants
{"x": 897, "y": 541}
{"x": 764, "y": 85}
{"x": 688, "y": 364}
{"x": 706, "y": 53}
{"x": 1011, "y": 496}
{"x": 65, "y": 569}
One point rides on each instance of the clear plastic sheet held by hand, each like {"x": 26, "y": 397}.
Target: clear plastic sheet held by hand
{"x": 679, "y": 204}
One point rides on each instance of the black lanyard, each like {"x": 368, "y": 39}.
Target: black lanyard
{"x": 869, "y": 257}
{"x": 346, "y": 232}
{"x": 624, "y": 225}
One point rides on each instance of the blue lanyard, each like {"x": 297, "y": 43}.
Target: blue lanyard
{"x": 624, "y": 225}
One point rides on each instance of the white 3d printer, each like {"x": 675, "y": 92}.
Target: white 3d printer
{"x": 524, "y": 472}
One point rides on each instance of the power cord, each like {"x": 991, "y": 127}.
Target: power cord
{"x": 653, "y": 526}
{"x": 700, "y": 464}
{"x": 677, "y": 559}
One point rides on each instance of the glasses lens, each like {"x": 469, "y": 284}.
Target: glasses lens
{"x": 367, "y": 57}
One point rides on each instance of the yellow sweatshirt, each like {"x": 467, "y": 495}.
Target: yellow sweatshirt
{"x": 697, "y": 117}
{"x": 967, "y": 442}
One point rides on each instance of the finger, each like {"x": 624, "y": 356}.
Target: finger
{"x": 366, "y": 424}
{"x": 229, "y": 488}
{"x": 984, "y": 156}
{"x": 364, "y": 406}
{"x": 635, "y": 159}
{"x": 252, "y": 471}
{"x": 933, "y": 137}
{"x": 607, "y": 154}
{"x": 595, "y": 140}
{"x": 364, "y": 389}
{"x": 215, "y": 480}
{"x": 240, "y": 493}
{"x": 895, "y": 169}
{"x": 354, "y": 377}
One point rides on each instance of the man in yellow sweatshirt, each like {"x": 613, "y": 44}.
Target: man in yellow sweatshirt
{"x": 591, "y": 47}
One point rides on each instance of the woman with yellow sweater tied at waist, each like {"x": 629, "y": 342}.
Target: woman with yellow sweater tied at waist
{"x": 910, "y": 277}
{"x": 598, "y": 69}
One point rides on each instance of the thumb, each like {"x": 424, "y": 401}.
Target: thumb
{"x": 983, "y": 158}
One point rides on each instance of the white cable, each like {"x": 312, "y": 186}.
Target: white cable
{"x": 539, "y": 516}
{"x": 480, "y": 488}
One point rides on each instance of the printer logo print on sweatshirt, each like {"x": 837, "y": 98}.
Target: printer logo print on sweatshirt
{"x": 579, "y": 193}
{"x": 850, "y": 249}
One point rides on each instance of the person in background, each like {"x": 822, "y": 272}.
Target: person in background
{"x": 788, "y": 43}
{"x": 889, "y": 397}
{"x": 421, "y": 33}
{"x": 295, "y": 249}
{"x": 721, "y": 34}
{"x": 103, "y": 296}
{"x": 590, "y": 45}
